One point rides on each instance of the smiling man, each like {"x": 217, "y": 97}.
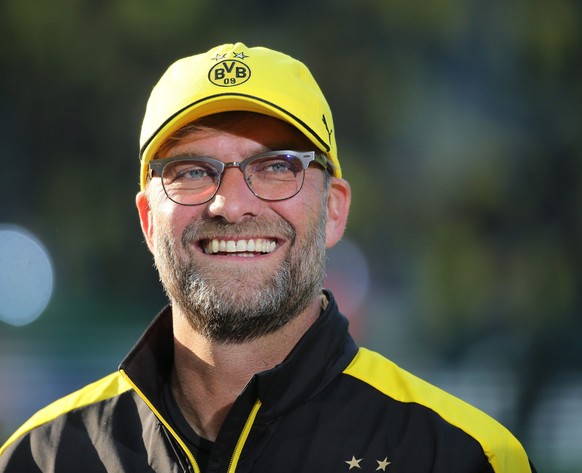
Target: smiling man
{"x": 251, "y": 367}
{"x": 253, "y": 258}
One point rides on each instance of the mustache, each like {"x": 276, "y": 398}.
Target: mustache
{"x": 207, "y": 228}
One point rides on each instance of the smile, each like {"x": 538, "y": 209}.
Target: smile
{"x": 239, "y": 247}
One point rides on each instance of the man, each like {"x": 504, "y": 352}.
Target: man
{"x": 251, "y": 367}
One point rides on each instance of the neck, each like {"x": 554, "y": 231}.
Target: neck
{"x": 208, "y": 376}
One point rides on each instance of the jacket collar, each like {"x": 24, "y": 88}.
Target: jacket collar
{"x": 320, "y": 356}
{"x": 323, "y": 352}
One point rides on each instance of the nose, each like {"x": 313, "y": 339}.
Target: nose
{"x": 234, "y": 200}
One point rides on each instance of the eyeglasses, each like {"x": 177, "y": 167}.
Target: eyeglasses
{"x": 274, "y": 175}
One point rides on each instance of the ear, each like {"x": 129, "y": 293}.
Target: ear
{"x": 145, "y": 217}
{"x": 338, "y": 207}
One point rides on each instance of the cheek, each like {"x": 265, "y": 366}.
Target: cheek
{"x": 168, "y": 220}
{"x": 156, "y": 195}
{"x": 304, "y": 215}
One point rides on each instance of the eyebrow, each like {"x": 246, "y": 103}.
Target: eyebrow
{"x": 286, "y": 145}
{"x": 262, "y": 149}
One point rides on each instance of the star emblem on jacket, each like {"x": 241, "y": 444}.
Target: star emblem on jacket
{"x": 355, "y": 463}
{"x": 382, "y": 464}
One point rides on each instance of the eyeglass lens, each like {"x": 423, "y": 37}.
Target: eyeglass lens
{"x": 192, "y": 182}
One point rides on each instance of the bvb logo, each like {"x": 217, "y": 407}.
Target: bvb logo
{"x": 229, "y": 73}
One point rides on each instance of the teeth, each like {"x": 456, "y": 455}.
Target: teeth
{"x": 244, "y": 247}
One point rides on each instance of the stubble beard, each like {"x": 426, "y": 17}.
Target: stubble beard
{"x": 242, "y": 305}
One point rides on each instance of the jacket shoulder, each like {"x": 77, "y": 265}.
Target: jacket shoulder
{"x": 502, "y": 449}
{"x": 105, "y": 388}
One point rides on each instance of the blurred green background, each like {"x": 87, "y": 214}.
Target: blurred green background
{"x": 459, "y": 127}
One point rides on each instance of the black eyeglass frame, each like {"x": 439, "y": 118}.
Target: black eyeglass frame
{"x": 306, "y": 158}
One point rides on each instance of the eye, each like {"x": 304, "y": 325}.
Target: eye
{"x": 277, "y": 166}
{"x": 190, "y": 172}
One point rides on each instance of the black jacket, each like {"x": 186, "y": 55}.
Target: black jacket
{"x": 330, "y": 407}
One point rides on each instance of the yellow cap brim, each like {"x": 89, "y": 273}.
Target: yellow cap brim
{"x": 226, "y": 103}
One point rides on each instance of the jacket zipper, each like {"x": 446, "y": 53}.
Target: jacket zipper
{"x": 243, "y": 437}
{"x": 186, "y": 450}
{"x": 240, "y": 443}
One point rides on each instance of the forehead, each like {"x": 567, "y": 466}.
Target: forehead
{"x": 243, "y": 127}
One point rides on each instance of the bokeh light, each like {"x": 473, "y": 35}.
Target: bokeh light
{"x": 26, "y": 276}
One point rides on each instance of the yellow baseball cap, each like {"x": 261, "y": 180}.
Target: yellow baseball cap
{"x": 234, "y": 77}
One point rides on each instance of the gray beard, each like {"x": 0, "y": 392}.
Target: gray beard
{"x": 237, "y": 309}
